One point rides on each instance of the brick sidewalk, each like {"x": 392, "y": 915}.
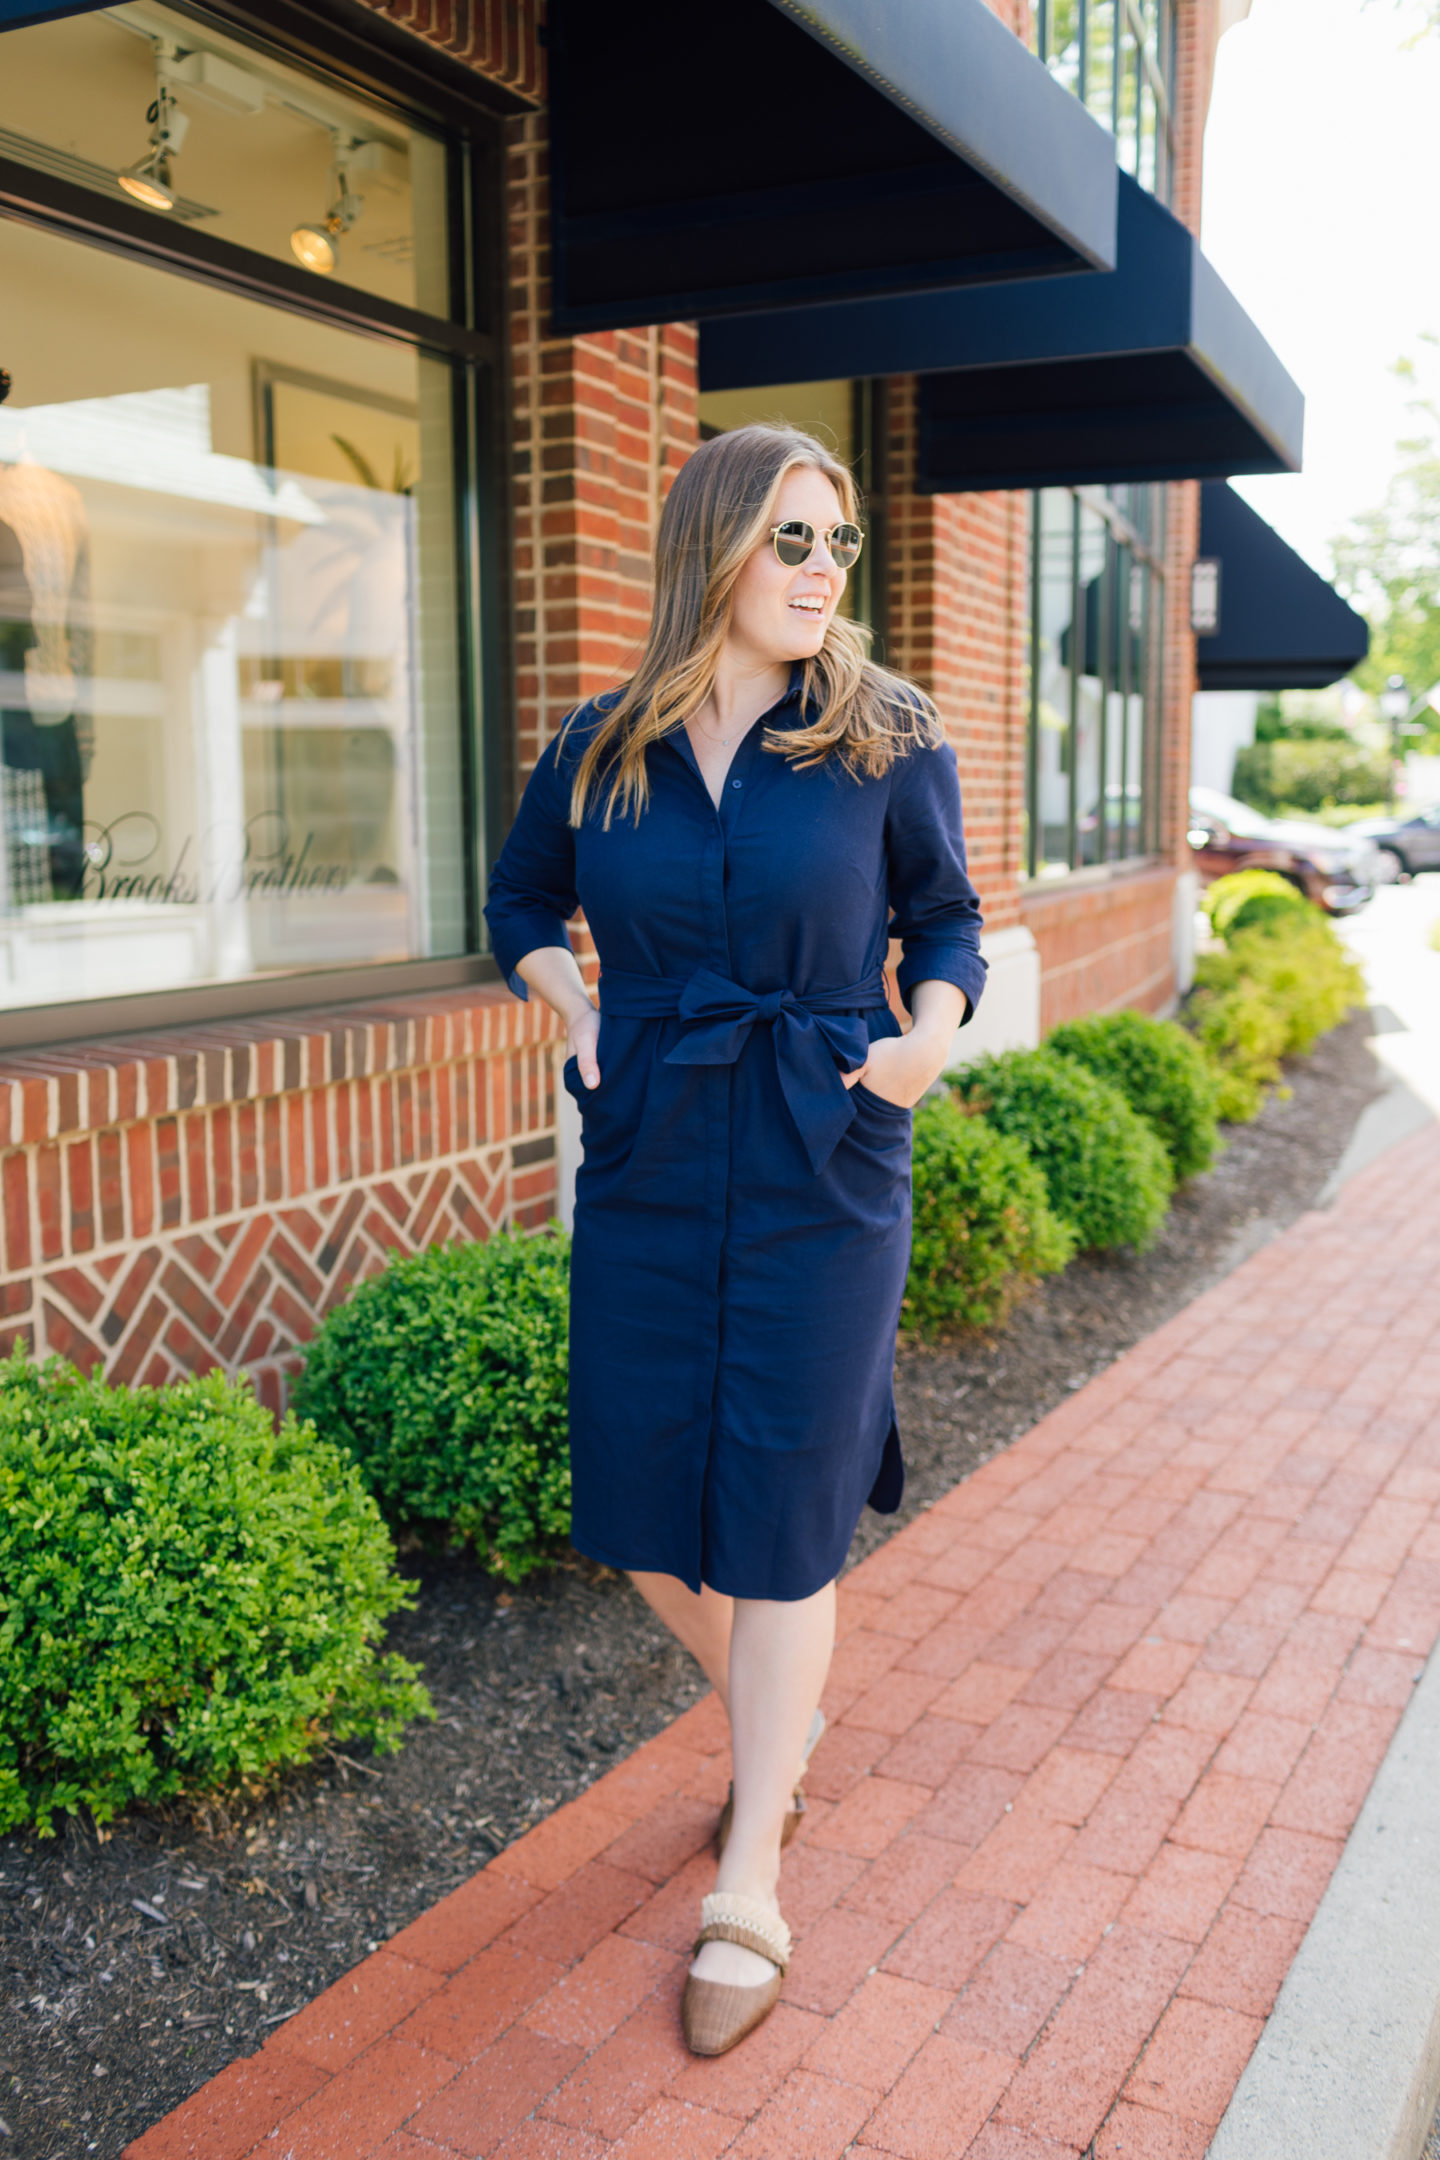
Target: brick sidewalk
{"x": 1101, "y": 1721}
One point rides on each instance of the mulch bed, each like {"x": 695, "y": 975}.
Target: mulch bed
{"x": 137, "y": 1966}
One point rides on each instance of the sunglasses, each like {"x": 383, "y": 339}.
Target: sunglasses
{"x": 795, "y": 543}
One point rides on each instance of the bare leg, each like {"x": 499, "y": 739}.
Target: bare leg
{"x": 779, "y": 1656}
{"x": 701, "y": 1623}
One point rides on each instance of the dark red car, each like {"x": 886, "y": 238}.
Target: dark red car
{"x": 1335, "y": 868}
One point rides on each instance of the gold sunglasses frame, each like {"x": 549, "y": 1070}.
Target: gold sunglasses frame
{"x": 826, "y": 536}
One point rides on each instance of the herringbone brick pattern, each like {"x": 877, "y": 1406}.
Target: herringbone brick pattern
{"x": 1101, "y": 1721}
{"x": 184, "y": 1205}
{"x": 247, "y": 1294}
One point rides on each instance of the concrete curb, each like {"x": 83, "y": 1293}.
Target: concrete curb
{"x": 1382, "y": 1124}
{"x": 1348, "y": 2066}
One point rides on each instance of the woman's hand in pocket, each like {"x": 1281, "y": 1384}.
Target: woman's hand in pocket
{"x": 894, "y": 1071}
{"x": 552, "y": 972}
{"x": 582, "y": 1038}
{"x": 900, "y": 1068}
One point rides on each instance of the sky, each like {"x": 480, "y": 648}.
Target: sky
{"x": 1322, "y": 214}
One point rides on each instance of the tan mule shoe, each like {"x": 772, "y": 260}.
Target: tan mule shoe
{"x": 797, "y": 1798}
{"x": 714, "y": 2014}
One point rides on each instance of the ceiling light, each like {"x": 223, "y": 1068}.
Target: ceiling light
{"x": 317, "y": 247}
{"x": 149, "y": 179}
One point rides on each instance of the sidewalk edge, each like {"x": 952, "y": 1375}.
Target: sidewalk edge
{"x": 1348, "y": 2066}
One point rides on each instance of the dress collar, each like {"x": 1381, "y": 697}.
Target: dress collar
{"x": 787, "y": 711}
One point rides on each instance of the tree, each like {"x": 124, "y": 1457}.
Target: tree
{"x": 1428, "y": 18}
{"x": 1388, "y": 561}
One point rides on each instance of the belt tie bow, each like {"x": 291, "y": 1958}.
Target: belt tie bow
{"x": 816, "y": 1032}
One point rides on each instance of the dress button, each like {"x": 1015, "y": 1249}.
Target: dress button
{"x": 737, "y": 783}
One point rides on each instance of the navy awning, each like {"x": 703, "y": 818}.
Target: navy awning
{"x": 1281, "y": 626}
{"x": 1152, "y": 371}
{"x": 20, "y": 14}
{"x": 776, "y": 153}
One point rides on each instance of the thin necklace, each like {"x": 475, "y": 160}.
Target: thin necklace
{"x": 722, "y": 741}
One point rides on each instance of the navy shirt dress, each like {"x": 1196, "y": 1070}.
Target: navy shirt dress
{"x": 742, "y": 1220}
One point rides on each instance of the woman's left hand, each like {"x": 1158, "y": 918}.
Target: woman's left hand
{"x": 900, "y": 1068}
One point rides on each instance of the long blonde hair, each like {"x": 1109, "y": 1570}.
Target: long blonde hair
{"x": 720, "y": 509}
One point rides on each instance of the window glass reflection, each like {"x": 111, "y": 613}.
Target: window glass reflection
{"x": 1090, "y": 688}
{"x": 1111, "y": 54}
{"x": 1052, "y": 689}
{"x": 199, "y": 128}
{"x": 1096, "y": 676}
{"x": 1060, "y": 22}
{"x": 228, "y": 675}
{"x": 1141, "y": 586}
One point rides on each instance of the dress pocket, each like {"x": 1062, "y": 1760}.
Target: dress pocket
{"x": 879, "y": 1102}
{"x": 608, "y": 1118}
{"x": 570, "y": 1072}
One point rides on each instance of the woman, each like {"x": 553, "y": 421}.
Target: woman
{"x": 738, "y": 823}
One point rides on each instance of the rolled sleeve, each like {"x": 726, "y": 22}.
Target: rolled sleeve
{"x": 935, "y": 908}
{"x": 532, "y": 886}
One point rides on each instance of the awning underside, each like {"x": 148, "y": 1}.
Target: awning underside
{"x": 1150, "y": 372}
{"x": 1281, "y": 626}
{"x": 1152, "y": 416}
{"x": 20, "y": 14}
{"x": 737, "y": 161}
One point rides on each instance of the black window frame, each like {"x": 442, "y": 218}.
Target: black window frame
{"x": 364, "y": 52}
{"x": 1150, "y": 27}
{"x": 1127, "y": 546}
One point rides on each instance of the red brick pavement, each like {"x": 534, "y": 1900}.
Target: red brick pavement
{"x": 1101, "y": 1722}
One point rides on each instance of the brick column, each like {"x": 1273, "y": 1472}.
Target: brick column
{"x": 499, "y": 38}
{"x": 601, "y": 424}
{"x": 957, "y": 620}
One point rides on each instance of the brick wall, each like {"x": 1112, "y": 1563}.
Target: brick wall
{"x": 956, "y": 619}
{"x": 1104, "y": 946}
{"x": 601, "y": 425}
{"x": 498, "y": 38}
{"x": 171, "y": 1203}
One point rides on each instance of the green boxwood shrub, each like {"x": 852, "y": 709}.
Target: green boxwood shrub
{"x": 189, "y": 1599}
{"x": 446, "y": 1378}
{"x": 1246, "y": 899}
{"x": 984, "y": 1228}
{"x": 1277, "y": 984}
{"x": 1241, "y": 1034}
{"x": 1163, "y": 1074}
{"x": 1107, "y": 1175}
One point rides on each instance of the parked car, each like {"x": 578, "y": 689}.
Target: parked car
{"x": 1411, "y": 843}
{"x": 1336, "y": 868}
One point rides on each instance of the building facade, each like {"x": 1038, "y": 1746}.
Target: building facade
{"x": 314, "y": 527}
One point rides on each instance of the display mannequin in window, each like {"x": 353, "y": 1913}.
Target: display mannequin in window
{"x": 50, "y": 731}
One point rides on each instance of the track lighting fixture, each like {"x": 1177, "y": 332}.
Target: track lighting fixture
{"x": 317, "y": 247}
{"x": 149, "y": 179}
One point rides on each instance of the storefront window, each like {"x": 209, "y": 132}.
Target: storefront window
{"x": 140, "y": 103}
{"x": 230, "y": 687}
{"x": 1095, "y": 676}
{"x": 1118, "y": 57}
